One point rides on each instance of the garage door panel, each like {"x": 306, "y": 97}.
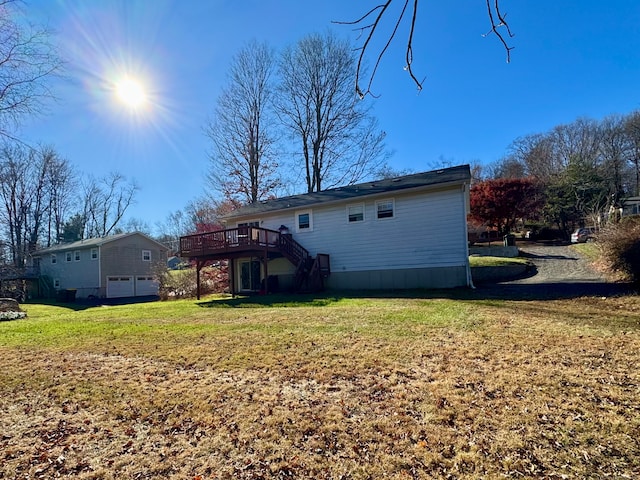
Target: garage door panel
{"x": 120, "y": 286}
{"x": 146, "y": 285}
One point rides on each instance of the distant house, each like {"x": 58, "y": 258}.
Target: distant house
{"x": 631, "y": 206}
{"x": 120, "y": 265}
{"x": 397, "y": 233}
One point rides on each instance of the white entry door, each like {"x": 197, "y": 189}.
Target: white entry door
{"x": 120, "y": 286}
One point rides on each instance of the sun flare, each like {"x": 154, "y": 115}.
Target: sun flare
{"x": 131, "y": 93}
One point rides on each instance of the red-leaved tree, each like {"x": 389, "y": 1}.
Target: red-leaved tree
{"x": 502, "y": 202}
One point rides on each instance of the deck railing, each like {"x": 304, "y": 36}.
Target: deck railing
{"x": 237, "y": 239}
{"x": 309, "y": 273}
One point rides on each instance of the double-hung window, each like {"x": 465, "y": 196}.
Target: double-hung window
{"x": 355, "y": 213}
{"x": 304, "y": 221}
{"x": 385, "y": 209}
{"x": 146, "y": 255}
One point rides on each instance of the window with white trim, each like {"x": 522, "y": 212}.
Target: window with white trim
{"x": 355, "y": 213}
{"x": 68, "y": 256}
{"x": 54, "y": 259}
{"x": 76, "y": 255}
{"x": 146, "y": 255}
{"x": 304, "y": 221}
{"x": 94, "y": 254}
{"x": 385, "y": 209}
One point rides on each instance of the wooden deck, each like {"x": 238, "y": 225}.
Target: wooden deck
{"x": 263, "y": 243}
{"x": 240, "y": 241}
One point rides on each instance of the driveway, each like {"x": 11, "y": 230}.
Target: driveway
{"x": 559, "y": 272}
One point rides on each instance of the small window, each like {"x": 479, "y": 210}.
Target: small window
{"x": 56, "y": 283}
{"x": 146, "y": 255}
{"x": 355, "y": 213}
{"x": 68, "y": 256}
{"x": 304, "y": 221}
{"x": 384, "y": 209}
{"x": 94, "y": 254}
{"x": 54, "y": 259}
{"x": 76, "y": 255}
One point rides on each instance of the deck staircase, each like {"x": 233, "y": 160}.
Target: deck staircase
{"x": 310, "y": 272}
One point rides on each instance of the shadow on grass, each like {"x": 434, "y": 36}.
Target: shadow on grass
{"x": 86, "y": 303}
{"x": 495, "y": 291}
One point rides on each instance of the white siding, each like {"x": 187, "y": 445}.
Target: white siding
{"x": 427, "y": 230}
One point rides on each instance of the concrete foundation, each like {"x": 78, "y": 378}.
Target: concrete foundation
{"x": 399, "y": 279}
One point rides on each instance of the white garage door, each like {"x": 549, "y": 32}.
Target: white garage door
{"x": 121, "y": 286}
{"x": 146, "y": 286}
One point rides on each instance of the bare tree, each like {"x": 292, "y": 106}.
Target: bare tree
{"x": 384, "y": 14}
{"x": 243, "y": 164}
{"x": 614, "y": 148}
{"x": 25, "y": 190}
{"x": 27, "y": 61}
{"x": 338, "y": 140}
{"x": 105, "y": 202}
{"x": 63, "y": 184}
{"x": 632, "y": 129}
{"x": 16, "y": 199}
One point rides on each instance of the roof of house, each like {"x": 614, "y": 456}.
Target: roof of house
{"x": 453, "y": 175}
{"x": 92, "y": 242}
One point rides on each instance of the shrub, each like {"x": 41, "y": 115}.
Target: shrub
{"x": 620, "y": 246}
{"x": 182, "y": 283}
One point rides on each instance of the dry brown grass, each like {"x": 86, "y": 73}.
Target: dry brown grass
{"x": 365, "y": 390}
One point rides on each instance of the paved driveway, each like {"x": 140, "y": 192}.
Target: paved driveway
{"x": 560, "y": 272}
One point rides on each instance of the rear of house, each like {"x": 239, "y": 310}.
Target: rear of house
{"x": 400, "y": 233}
{"x": 123, "y": 265}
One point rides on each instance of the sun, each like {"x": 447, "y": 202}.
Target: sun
{"x": 131, "y": 93}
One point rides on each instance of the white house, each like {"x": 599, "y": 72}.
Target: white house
{"x": 397, "y": 233}
{"x": 122, "y": 265}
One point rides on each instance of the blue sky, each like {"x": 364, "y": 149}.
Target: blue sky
{"x": 571, "y": 58}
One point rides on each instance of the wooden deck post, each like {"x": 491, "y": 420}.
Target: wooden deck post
{"x": 266, "y": 271}
{"x": 232, "y": 278}
{"x": 198, "y": 267}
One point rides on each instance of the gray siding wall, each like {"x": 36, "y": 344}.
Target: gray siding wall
{"x": 124, "y": 257}
{"x": 81, "y": 275}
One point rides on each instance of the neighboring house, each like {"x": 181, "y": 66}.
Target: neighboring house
{"x": 174, "y": 263}
{"x": 120, "y": 265}
{"x": 631, "y": 206}
{"x": 398, "y": 233}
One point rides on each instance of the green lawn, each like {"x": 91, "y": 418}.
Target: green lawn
{"x": 423, "y": 385}
{"x": 486, "y": 261}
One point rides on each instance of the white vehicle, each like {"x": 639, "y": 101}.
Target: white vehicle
{"x": 582, "y": 235}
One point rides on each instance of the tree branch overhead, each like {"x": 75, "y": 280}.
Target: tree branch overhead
{"x": 377, "y": 15}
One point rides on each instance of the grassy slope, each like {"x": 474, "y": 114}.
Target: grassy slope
{"x": 324, "y": 387}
